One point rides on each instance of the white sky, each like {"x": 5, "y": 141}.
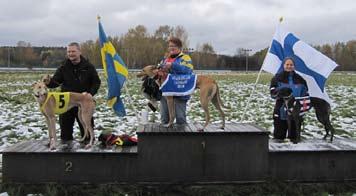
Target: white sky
{"x": 226, "y": 24}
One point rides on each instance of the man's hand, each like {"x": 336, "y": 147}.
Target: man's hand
{"x": 46, "y": 79}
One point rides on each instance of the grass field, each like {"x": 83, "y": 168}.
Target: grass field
{"x": 20, "y": 118}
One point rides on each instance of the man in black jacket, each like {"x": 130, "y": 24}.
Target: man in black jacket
{"x": 76, "y": 74}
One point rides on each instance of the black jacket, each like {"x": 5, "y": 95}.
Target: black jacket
{"x": 79, "y": 78}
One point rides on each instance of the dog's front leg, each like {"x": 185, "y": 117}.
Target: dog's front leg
{"x": 52, "y": 132}
{"x": 49, "y": 132}
{"x": 298, "y": 120}
{"x": 171, "y": 110}
{"x": 289, "y": 124}
{"x": 50, "y": 144}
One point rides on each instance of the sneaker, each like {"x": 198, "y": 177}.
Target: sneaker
{"x": 66, "y": 141}
{"x": 294, "y": 141}
{"x": 278, "y": 140}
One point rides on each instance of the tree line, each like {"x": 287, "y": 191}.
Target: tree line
{"x": 138, "y": 47}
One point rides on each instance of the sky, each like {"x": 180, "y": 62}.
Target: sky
{"x": 227, "y": 24}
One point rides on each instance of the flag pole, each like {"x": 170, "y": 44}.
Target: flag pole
{"x": 253, "y": 92}
{"x": 254, "y": 87}
{"x": 105, "y": 74}
{"x": 129, "y": 95}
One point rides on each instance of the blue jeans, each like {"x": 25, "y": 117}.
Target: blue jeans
{"x": 180, "y": 108}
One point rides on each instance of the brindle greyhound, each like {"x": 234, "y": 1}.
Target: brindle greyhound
{"x": 321, "y": 107}
{"x": 48, "y": 105}
{"x": 209, "y": 92}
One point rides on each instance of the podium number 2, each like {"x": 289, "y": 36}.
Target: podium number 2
{"x": 69, "y": 166}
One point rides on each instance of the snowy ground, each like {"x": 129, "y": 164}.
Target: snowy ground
{"x": 20, "y": 118}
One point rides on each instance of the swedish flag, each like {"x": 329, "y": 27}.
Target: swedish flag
{"x": 115, "y": 72}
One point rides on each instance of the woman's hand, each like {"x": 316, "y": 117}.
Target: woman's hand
{"x": 168, "y": 65}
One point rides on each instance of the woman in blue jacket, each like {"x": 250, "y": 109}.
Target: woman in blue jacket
{"x": 176, "y": 62}
{"x": 290, "y": 79}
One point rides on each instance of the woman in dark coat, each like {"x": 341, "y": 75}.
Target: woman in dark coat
{"x": 288, "y": 78}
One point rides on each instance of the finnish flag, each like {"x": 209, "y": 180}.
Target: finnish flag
{"x": 312, "y": 65}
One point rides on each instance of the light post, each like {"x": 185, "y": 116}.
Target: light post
{"x": 8, "y": 56}
{"x": 188, "y": 50}
{"x": 127, "y": 51}
{"x": 246, "y": 53}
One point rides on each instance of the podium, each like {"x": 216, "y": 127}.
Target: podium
{"x": 180, "y": 154}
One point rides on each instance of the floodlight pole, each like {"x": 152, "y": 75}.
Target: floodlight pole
{"x": 246, "y": 53}
{"x": 8, "y": 56}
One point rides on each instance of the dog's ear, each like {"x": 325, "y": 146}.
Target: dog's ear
{"x": 46, "y": 79}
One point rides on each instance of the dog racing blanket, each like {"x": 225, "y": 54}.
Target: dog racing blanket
{"x": 305, "y": 103}
{"x": 61, "y": 101}
{"x": 178, "y": 85}
{"x": 109, "y": 139}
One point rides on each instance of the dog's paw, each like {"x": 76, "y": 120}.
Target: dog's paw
{"x": 52, "y": 148}
{"x": 88, "y": 146}
{"x": 330, "y": 140}
{"x": 168, "y": 125}
{"x": 52, "y": 144}
{"x": 295, "y": 141}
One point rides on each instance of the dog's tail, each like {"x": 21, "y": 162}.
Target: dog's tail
{"x": 219, "y": 98}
